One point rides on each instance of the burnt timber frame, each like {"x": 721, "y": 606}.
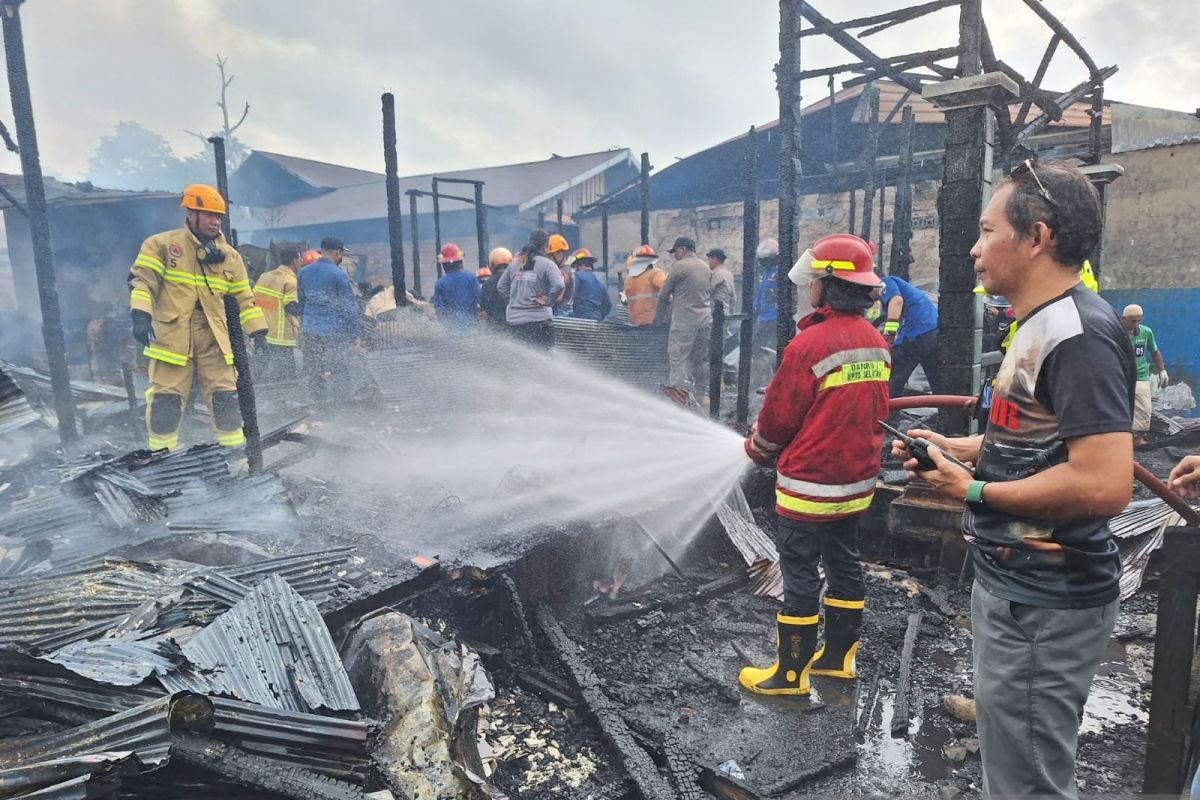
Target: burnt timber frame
{"x": 1170, "y": 737}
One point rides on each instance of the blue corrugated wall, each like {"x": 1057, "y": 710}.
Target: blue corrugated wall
{"x": 1174, "y": 316}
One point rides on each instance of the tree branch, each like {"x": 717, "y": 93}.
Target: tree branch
{"x": 245, "y": 111}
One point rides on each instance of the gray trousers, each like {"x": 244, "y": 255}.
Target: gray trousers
{"x": 687, "y": 350}
{"x": 1033, "y": 669}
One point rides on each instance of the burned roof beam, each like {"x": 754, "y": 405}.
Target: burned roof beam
{"x": 1061, "y": 31}
{"x": 902, "y": 62}
{"x": 884, "y": 20}
{"x": 1038, "y": 77}
{"x": 15, "y": 202}
{"x": 459, "y": 180}
{"x": 444, "y": 196}
{"x": 258, "y": 772}
{"x": 1044, "y": 100}
{"x": 857, "y": 48}
{"x": 1065, "y": 100}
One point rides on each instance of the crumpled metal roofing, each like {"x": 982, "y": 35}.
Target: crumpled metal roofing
{"x": 166, "y": 472}
{"x": 138, "y": 739}
{"x": 89, "y": 598}
{"x": 255, "y": 504}
{"x": 15, "y": 411}
{"x": 272, "y": 648}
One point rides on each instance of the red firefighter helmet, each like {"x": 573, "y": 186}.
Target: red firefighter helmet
{"x": 309, "y": 257}
{"x": 846, "y": 257}
{"x": 583, "y": 254}
{"x": 645, "y": 251}
{"x": 450, "y": 253}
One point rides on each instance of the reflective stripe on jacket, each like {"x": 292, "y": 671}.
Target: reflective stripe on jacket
{"x": 272, "y": 293}
{"x": 168, "y": 282}
{"x": 819, "y": 417}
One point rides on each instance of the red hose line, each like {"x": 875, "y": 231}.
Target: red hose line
{"x": 1143, "y": 475}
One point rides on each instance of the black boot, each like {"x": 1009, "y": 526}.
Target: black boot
{"x": 843, "y": 620}
{"x": 796, "y": 640}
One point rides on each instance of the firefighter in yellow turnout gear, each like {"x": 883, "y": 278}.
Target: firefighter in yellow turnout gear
{"x": 178, "y": 284}
{"x": 275, "y": 293}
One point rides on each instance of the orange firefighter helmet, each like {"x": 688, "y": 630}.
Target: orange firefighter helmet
{"x": 557, "y": 244}
{"x": 200, "y": 197}
{"x": 309, "y": 257}
{"x": 450, "y": 253}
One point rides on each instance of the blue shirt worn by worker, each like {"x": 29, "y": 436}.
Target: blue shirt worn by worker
{"x": 455, "y": 298}
{"x": 327, "y": 303}
{"x": 919, "y": 316}
{"x": 764, "y": 298}
{"x": 591, "y": 296}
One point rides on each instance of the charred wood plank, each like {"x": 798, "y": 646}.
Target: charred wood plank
{"x": 258, "y": 772}
{"x": 637, "y": 763}
{"x": 726, "y": 693}
{"x": 887, "y": 18}
{"x": 1070, "y": 98}
{"x": 726, "y": 787}
{"x": 682, "y": 768}
{"x": 548, "y": 692}
{"x": 904, "y": 681}
{"x": 796, "y": 781}
{"x": 517, "y": 607}
{"x": 900, "y": 63}
{"x": 1063, "y": 33}
{"x": 857, "y": 48}
{"x": 707, "y": 591}
{"x": 1038, "y": 77}
{"x": 619, "y": 790}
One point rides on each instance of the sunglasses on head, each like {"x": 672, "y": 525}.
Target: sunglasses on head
{"x": 1042, "y": 191}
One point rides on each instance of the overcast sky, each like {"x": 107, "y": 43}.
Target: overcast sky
{"x": 480, "y": 82}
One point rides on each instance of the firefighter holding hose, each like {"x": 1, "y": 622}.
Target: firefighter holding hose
{"x": 817, "y": 425}
{"x": 178, "y": 284}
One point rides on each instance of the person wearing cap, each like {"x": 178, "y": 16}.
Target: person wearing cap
{"x": 910, "y": 327}
{"x": 642, "y": 286}
{"x": 591, "y": 295}
{"x": 331, "y": 323}
{"x": 490, "y": 300}
{"x": 456, "y": 293}
{"x": 723, "y": 286}
{"x": 685, "y": 302}
{"x": 1145, "y": 350}
{"x": 817, "y": 428}
{"x": 178, "y": 284}
{"x": 767, "y": 255}
{"x": 530, "y": 285}
{"x": 558, "y": 250}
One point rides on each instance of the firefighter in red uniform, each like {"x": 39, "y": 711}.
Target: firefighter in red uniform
{"x": 817, "y": 424}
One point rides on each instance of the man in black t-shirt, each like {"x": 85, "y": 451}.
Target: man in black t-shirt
{"x": 1055, "y": 463}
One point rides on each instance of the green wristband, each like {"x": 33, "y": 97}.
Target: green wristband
{"x": 975, "y": 491}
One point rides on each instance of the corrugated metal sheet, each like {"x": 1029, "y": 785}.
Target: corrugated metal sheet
{"x": 256, "y": 504}
{"x": 182, "y": 469}
{"x": 273, "y": 648}
{"x": 19, "y": 557}
{"x": 140, "y": 737}
{"x": 119, "y": 662}
{"x": 15, "y": 411}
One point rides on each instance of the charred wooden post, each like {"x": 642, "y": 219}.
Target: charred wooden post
{"x": 245, "y": 385}
{"x": 853, "y": 209}
{"x": 1172, "y": 700}
{"x": 749, "y": 245}
{"x": 901, "y": 256}
{"x": 558, "y": 213}
{"x": 1101, "y": 175}
{"x": 716, "y": 359}
{"x": 222, "y": 168}
{"x": 604, "y": 239}
{"x": 395, "y": 224}
{"x": 237, "y": 339}
{"x": 788, "y": 82}
{"x": 437, "y": 228}
{"x": 968, "y": 104}
{"x": 644, "y": 188}
{"x": 416, "y": 241}
{"x": 39, "y": 222}
{"x": 541, "y": 219}
{"x": 136, "y": 424}
{"x": 870, "y": 156}
{"x": 879, "y": 260}
{"x": 481, "y": 227}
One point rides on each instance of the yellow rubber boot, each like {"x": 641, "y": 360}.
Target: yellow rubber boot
{"x": 843, "y": 620}
{"x": 796, "y": 640}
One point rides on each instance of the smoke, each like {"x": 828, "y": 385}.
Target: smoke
{"x": 492, "y": 438}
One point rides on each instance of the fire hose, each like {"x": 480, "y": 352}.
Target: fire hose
{"x": 1143, "y": 475}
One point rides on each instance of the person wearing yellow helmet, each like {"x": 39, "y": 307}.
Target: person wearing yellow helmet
{"x": 558, "y": 250}
{"x": 178, "y": 284}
